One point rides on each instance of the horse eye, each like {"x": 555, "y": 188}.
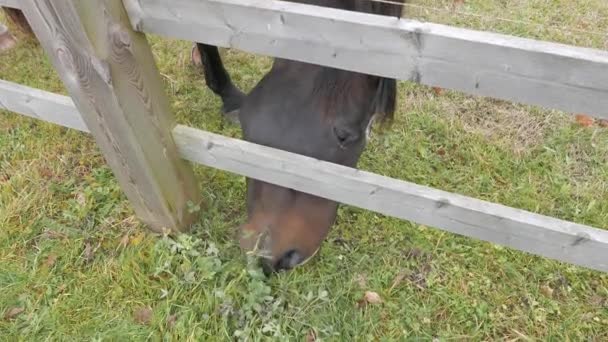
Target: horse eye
{"x": 345, "y": 135}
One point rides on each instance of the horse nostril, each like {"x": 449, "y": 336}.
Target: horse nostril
{"x": 289, "y": 260}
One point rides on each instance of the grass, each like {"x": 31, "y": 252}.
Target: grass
{"x": 76, "y": 265}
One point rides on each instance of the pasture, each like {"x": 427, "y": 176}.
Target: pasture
{"x": 74, "y": 263}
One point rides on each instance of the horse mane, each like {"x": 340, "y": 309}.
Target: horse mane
{"x": 385, "y": 100}
{"x": 334, "y": 83}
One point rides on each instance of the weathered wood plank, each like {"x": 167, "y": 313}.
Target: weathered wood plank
{"x": 10, "y": 3}
{"x": 42, "y": 105}
{"x": 110, "y": 73}
{"x": 533, "y": 72}
{"x": 519, "y": 229}
{"x": 545, "y": 236}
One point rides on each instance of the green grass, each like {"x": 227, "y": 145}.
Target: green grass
{"x": 75, "y": 259}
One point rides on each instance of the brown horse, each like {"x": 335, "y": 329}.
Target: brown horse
{"x": 316, "y": 111}
{"x": 308, "y": 109}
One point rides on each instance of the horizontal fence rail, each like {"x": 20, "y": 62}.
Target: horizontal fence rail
{"x": 537, "y": 234}
{"x": 11, "y": 3}
{"x": 550, "y": 75}
{"x": 40, "y": 104}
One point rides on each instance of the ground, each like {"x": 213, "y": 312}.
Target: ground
{"x": 76, "y": 264}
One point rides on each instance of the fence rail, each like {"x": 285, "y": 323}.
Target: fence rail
{"x": 109, "y": 71}
{"x": 11, "y": 3}
{"x": 551, "y": 75}
{"x": 541, "y": 235}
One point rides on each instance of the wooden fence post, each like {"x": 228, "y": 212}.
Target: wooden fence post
{"x": 110, "y": 72}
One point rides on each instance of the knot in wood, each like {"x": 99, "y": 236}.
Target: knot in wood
{"x": 119, "y": 37}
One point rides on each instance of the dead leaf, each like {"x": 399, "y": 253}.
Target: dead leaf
{"x": 143, "y": 315}
{"x": 370, "y": 297}
{"x": 61, "y": 288}
{"x": 311, "y": 336}
{"x": 81, "y": 199}
{"x": 547, "y": 291}
{"x": 361, "y": 280}
{"x": 124, "y": 241}
{"x": 584, "y": 120}
{"x": 603, "y": 123}
{"x": 441, "y": 151}
{"x": 438, "y": 91}
{"x": 50, "y": 260}
{"x": 195, "y": 57}
{"x": 171, "y": 321}
{"x": 88, "y": 252}
{"x": 13, "y": 312}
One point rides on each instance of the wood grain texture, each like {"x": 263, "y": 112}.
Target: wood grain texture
{"x": 519, "y": 229}
{"x": 110, "y": 73}
{"x": 42, "y": 105}
{"x": 532, "y": 72}
{"x": 10, "y": 3}
{"x": 533, "y": 233}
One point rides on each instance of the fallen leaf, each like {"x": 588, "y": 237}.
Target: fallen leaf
{"x": 369, "y": 297}
{"x": 124, "y": 241}
{"x": 13, "y": 312}
{"x": 547, "y": 291}
{"x": 61, "y": 288}
{"x": 438, "y": 91}
{"x": 603, "y": 123}
{"x": 584, "y": 120}
{"x": 81, "y": 199}
{"x": 195, "y": 57}
{"x": 311, "y": 336}
{"x": 143, "y": 315}
{"x": 88, "y": 252}
{"x": 171, "y": 321}
{"x": 50, "y": 260}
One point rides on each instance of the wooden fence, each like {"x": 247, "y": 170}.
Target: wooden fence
{"x": 102, "y": 56}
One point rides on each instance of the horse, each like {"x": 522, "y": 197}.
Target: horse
{"x": 316, "y": 111}
{"x": 320, "y": 112}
